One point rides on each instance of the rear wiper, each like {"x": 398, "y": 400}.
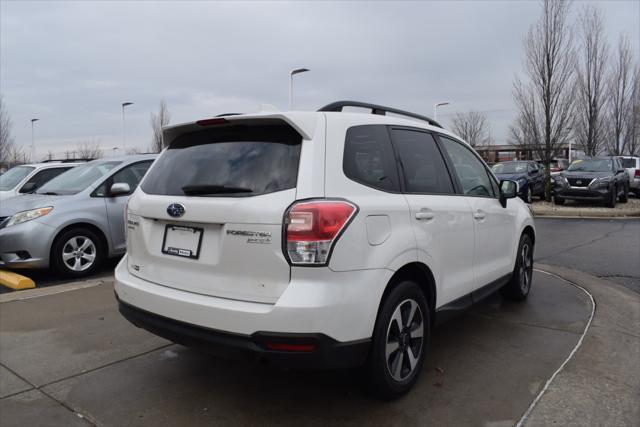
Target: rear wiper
{"x": 193, "y": 190}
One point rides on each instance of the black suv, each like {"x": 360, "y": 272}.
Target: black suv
{"x": 598, "y": 179}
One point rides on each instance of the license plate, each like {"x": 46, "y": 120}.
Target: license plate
{"x": 182, "y": 241}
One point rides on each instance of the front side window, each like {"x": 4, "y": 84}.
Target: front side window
{"x": 232, "y": 161}
{"x": 131, "y": 175}
{"x": 41, "y": 178}
{"x": 13, "y": 176}
{"x": 368, "y": 157}
{"x": 422, "y": 164}
{"x": 79, "y": 178}
{"x": 471, "y": 172}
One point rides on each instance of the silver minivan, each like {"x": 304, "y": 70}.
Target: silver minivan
{"x": 75, "y": 221}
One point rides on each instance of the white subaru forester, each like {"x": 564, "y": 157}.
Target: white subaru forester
{"x": 320, "y": 239}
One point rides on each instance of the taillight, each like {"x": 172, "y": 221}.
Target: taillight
{"x": 211, "y": 122}
{"x": 312, "y": 228}
{"x": 637, "y": 173}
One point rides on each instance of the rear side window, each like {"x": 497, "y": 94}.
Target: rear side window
{"x": 229, "y": 161}
{"x": 368, "y": 157}
{"x": 422, "y": 164}
{"x": 628, "y": 163}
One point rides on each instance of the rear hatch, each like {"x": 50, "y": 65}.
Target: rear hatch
{"x": 209, "y": 217}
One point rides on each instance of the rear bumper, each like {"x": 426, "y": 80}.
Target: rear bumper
{"x": 312, "y": 350}
{"x": 335, "y": 310}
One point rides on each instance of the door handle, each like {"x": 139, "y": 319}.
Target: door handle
{"x": 424, "y": 215}
{"x": 479, "y": 215}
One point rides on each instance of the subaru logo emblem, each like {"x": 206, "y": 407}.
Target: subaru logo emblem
{"x": 175, "y": 210}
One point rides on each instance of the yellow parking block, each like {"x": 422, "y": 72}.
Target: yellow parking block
{"x": 15, "y": 281}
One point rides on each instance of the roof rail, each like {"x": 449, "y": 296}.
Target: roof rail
{"x": 80, "y": 159}
{"x": 377, "y": 109}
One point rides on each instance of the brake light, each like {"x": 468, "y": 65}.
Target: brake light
{"x": 636, "y": 174}
{"x": 300, "y": 348}
{"x": 211, "y": 122}
{"x": 313, "y": 227}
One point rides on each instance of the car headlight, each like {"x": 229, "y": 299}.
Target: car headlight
{"x": 559, "y": 179}
{"x": 25, "y": 216}
{"x": 600, "y": 183}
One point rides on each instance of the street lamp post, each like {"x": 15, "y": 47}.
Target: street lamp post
{"x": 33, "y": 144}
{"x": 291, "y": 74}
{"x": 435, "y": 109}
{"x": 124, "y": 104}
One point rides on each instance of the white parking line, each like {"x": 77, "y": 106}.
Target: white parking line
{"x": 575, "y": 349}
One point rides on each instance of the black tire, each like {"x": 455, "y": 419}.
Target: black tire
{"x": 625, "y": 195}
{"x": 519, "y": 285}
{"x": 613, "y": 197}
{"x": 384, "y": 383}
{"x": 528, "y": 195}
{"x": 558, "y": 201}
{"x": 64, "y": 257}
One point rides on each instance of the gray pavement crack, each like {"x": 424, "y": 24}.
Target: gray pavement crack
{"x": 62, "y": 403}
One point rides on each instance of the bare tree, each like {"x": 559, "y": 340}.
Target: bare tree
{"x": 15, "y": 156}
{"x": 632, "y": 125}
{"x": 157, "y": 122}
{"x": 620, "y": 87}
{"x": 88, "y": 150}
{"x": 473, "y": 127}
{"x": 6, "y": 141}
{"x": 590, "y": 122}
{"x": 546, "y": 101}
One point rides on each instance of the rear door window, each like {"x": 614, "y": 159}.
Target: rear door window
{"x": 473, "y": 176}
{"x": 423, "y": 167}
{"x": 368, "y": 158}
{"x": 232, "y": 161}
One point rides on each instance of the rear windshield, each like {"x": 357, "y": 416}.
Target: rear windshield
{"x": 628, "y": 163}
{"x": 233, "y": 161}
{"x": 513, "y": 167}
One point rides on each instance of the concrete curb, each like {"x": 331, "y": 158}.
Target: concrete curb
{"x": 50, "y": 290}
{"x": 600, "y": 385}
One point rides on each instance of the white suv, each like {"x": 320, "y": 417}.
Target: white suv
{"x": 320, "y": 239}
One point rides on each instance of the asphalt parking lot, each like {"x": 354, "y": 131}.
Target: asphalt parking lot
{"x": 75, "y": 361}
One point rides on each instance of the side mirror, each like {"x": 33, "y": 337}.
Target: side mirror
{"x": 119, "y": 188}
{"x": 29, "y": 187}
{"x": 508, "y": 190}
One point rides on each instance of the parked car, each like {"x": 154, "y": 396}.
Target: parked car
{"x": 327, "y": 239}
{"x": 73, "y": 222}
{"x": 558, "y": 165}
{"x": 632, "y": 165}
{"x": 528, "y": 174}
{"x": 28, "y": 178}
{"x": 599, "y": 179}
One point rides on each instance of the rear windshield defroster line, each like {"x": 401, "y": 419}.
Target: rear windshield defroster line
{"x": 253, "y": 160}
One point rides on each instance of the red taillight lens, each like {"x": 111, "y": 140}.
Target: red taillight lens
{"x": 301, "y": 348}
{"x": 637, "y": 173}
{"x": 211, "y": 122}
{"x": 313, "y": 227}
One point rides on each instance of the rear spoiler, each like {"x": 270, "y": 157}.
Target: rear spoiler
{"x": 304, "y": 123}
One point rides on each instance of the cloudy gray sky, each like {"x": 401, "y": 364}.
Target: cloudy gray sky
{"x": 71, "y": 64}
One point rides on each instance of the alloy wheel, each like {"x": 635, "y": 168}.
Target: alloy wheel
{"x": 526, "y": 268}
{"x": 404, "y": 339}
{"x": 79, "y": 253}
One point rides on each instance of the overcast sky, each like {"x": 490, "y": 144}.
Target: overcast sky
{"x": 72, "y": 64}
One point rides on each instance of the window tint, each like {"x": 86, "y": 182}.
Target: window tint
{"x": 231, "y": 161}
{"x": 472, "y": 174}
{"x": 628, "y": 163}
{"x": 13, "y": 176}
{"x": 368, "y": 158}
{"x": 131, "y": 175}
{"x": 422, "y": 164}
{"x": 42, "y": 177}
{"x": 79, "y": 178}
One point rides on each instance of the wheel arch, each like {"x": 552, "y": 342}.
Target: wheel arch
{"x": 419, "y": 273}
{"x": 103, "y": 238}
